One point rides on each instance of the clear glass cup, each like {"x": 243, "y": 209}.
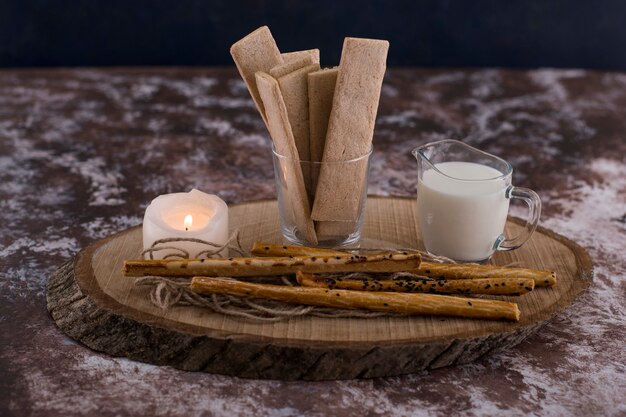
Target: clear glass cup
{"x": 296, "y": 183}
{"x": 463, "y": 197}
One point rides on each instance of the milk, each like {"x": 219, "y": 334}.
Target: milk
{"x": 461, "y": 219}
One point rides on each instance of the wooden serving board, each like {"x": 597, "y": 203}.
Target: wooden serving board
{"x": 92, "y": 301}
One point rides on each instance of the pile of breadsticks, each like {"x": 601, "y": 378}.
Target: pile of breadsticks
{"x": 311, "y": 266}
{"x": 317, "y": 115}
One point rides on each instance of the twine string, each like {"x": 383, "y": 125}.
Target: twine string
{"x": 233, "y": 243}
{"x": 166, "y": 293}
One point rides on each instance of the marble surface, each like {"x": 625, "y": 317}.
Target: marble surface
{"x": 82, "y": 152}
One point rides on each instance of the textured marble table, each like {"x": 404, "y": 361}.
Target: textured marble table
{"x": 83, "y": 151}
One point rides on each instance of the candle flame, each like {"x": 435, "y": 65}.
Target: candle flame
{"x": 188, "y": 221}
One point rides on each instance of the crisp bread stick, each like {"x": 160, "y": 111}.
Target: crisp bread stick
{"x": 249, "y": 267}
{"x": 312, "y": 54}
{"x": 273, "y": 249}
{"x": 350, "y": 129}
{"x": 413, "y": 304}
{"x": 282, "y": 135}
{"x": 290, "y": 66}
{"x": 295, "y": 92}
{"x": 541, "y": 278}
{"x": 471, "y": 271}
{"x": 256, "y": 52}
{"x": 491, "y": 286}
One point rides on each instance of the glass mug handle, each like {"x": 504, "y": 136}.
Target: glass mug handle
{"x": 533, "y": 202}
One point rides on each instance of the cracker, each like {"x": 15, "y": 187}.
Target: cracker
{"x": 337, "y": 231}
{"x": 290, "y": 66}
{"x": 255, "y": 52}
{"x": 350, "y": 129}
{"x": 312, "y": 54}
{"x": 321, "y": 91}
{"x": 295, "y": 91}
{"x": 282, "y": 135}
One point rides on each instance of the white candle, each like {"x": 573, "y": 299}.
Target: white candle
{"x": 192, "y": 215}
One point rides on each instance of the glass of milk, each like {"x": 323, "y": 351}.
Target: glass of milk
{"x": 463, "y": 199}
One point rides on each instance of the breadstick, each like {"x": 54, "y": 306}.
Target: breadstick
{"x": 412, "y": 304}
{"x": 491, "y": 286}
{"x": 350, "y": 129}
{"x": 430, "y": 269}
{"x": 273, "y": 249}
{"x": 250, "y": 267}
{"x": 284, "y": 142}
{"x": 255, "y": 52}
{"x": 312, "y": 54}
{"x": 471, "y": 271}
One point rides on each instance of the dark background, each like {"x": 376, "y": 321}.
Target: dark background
{"x": 509, "y": 33}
